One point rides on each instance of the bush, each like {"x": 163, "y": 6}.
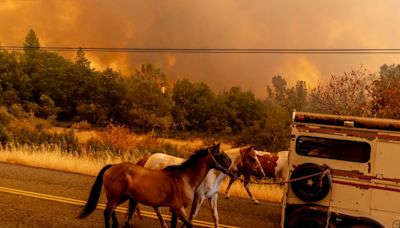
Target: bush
{"x": 33, "y": 132}
{"x": 5, "y": 116}
{"x": 98, "y": 148}
{"x": 119, "y": 136}
{"x": 118, "y": 140}
{"x": 18, "y": 111}
{"x": 5, "y": 135}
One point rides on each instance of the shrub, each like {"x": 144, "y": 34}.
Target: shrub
{"x": 18, "y": 111}
{"x": 5, "y": 116}
{"x": 99, "y": 149}
{"x": 119, "y": 136}
{"x": 5, "y": 135}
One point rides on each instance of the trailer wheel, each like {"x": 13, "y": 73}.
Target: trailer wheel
{"x": 303, "y": 218}
{"x": 311, "y": 189}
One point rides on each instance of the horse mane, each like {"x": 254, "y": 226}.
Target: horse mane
{"x": 190, "y": 161}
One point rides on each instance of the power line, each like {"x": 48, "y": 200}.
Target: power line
{"x": 218, "y": 50}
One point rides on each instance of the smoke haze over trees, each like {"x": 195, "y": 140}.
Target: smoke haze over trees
{"x": 47, "y": 85}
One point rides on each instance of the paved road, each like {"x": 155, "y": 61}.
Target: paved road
{"x": 29, "y": 211}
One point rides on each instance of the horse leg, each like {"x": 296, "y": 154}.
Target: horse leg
{"x": 108, "y": 212}
{"x": 231, "y": 180}
{"x": 214, "y": 209}
{"x": 132, "y": 207}
{"x": 107, "y": 218}
{"x": 174, "y": 219}
{"x": 181, "y": 213}
{"x": 114, "y": 219}
{"x": 197, "y": 201}
{"x": 162, "y": 221}
{"x": 247, "y": 187}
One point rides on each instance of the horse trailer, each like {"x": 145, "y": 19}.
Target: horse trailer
{"x": 343, "y": 171}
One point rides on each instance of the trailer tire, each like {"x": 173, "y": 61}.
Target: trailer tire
{"x": 311, "y": 189}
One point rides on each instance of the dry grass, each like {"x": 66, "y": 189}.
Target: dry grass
{"x": 54, "y": 158}
{"x": 265, "y": 192}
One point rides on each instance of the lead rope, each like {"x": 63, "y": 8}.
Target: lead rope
{"x": 228, "y": 172}
{"x": 328, "y": 214}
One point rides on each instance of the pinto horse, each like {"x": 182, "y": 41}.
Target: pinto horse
{"x": 210, "y": 186}
{"x": 274, "y": 165}
{"x": 172, "y": 187}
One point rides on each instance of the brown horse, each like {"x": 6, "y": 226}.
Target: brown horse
{"x": 171, "y": 187}
{"x": 273, "y": 164}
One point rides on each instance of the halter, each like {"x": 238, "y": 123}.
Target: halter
{"x": 219, "y": 166}
{"x": 327, "y": 171}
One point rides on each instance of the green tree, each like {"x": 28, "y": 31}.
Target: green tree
{"x": 193, "y": 105}
{"x": 32, "y": 52}
{"x": 112, "y": 89}
{"x": 149, "y": 99}
{"x": 271, "y": 132}
{"x": 14, "y": 83}
{"x": 47, "y": 108}
{"x": 181, "y": 94}
{"x": 294, "y": 98}
{"x": 243, "y": 108}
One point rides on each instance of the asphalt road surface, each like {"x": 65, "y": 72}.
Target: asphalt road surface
{"x": 32, "y": 197}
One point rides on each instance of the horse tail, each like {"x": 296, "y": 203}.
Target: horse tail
{"x": 143, "y": 161}
{"x": 94, "y": 196}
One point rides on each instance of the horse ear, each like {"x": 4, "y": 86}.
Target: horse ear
{"x": 253, "y": 152}
{"x": 243, "y": 151}
{"x": 216, "y": 147}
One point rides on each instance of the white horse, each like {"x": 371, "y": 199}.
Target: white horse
{"x": 210, "y": 186}
{"x": 274, "y": 165}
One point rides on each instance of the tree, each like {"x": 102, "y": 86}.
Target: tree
{"x": 345, "y": 94}
{"x": 32, "y": 52}
{"x": 193, "y": 106}
{"x": 181, "y": 95}
{"x": 294, "y": 98}
{"x": 148, "y": 98}
{"x": 386, "y": 92}
{"x": 271, "y": 132}
{"x": 14, "y": 83}
{"x": 31, "y": 44}
{"x": 112, "y": 89}
{"x": 297, "y": 96}
{"x": 81, "y": 60}
{"x": 243, "y": 108}
{"x": 47, "y": 107}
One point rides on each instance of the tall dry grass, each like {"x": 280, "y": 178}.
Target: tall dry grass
{"x": 264, "y": 192}
{"x": 53, "y": 157}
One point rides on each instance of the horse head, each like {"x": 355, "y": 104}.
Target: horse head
{"x": 221, "y": 160}
{"x": 251, "y": 163}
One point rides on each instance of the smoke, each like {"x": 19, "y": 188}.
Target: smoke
{"x": 212, "y": 24}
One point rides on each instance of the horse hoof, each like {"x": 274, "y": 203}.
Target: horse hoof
{"x": 256, "y": 202}
{"x": 226, "y": 196}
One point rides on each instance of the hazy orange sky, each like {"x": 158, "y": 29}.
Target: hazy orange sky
{"x": 214, "y": 24}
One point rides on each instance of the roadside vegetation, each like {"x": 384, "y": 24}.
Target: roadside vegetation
{"x": 48, "y": 103}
